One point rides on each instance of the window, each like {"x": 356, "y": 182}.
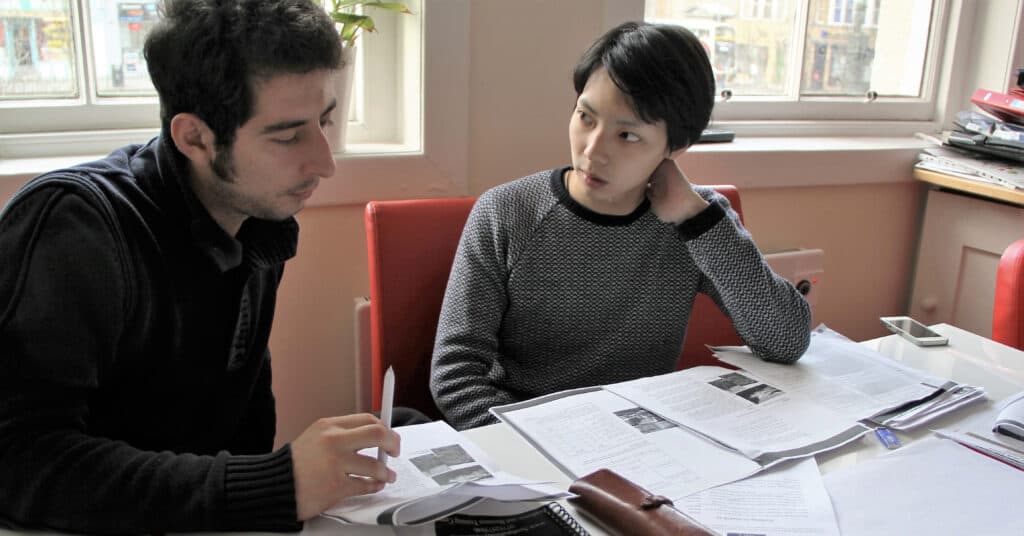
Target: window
{"x": 73, "y": 79}
{"x": 816, "y": 59}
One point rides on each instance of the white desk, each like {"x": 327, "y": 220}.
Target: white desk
{"x": 968, "y": 359}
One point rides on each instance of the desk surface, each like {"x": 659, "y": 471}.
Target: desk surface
{"x": 990, "y": 191}
{"x": 968, "y": 359}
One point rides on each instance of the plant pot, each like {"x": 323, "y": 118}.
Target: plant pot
{"x": 343, "y": 92}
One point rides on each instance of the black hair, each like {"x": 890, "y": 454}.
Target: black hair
{"x": 206, "y": 56}
{"x": 665, "y": 71}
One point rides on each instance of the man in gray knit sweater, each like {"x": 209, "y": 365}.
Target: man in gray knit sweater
{"x": 586, "y": 275}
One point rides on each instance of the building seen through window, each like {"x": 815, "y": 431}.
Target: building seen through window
{"x": 808, "y": 48}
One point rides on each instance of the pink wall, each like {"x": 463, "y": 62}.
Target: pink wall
{"x": 520, "y": 100}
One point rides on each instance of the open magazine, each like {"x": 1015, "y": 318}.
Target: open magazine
{"x": 857, "y": 382}
{"x": 726, "y": 423}
{"x": 440, "y": 472}
{"x": 729, "y": 423}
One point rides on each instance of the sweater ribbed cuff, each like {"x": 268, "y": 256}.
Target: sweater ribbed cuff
{"x": 699, "y": 224}
{"x": 259, "y": 492}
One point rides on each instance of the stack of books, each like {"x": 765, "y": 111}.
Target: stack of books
{"x": 986, "y": 146}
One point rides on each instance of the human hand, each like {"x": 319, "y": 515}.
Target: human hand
{"x": 327, "y": 466}
{"x": 673, "y": 198}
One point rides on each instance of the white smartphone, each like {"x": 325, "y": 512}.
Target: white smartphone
{"x": 913, "y": 331}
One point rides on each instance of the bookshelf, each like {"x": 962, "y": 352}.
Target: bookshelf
{"x": 966, "y": 226}
{"x": 982, "y": 189}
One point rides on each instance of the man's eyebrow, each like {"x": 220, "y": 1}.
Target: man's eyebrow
{"x": 283, "y": 125}
{"x": 295, "y": 123}
{"x": 622, "y": 122}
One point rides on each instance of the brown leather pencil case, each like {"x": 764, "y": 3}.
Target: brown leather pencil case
{"x": 625, "y": 508}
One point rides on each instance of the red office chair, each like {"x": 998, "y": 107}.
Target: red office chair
{"x": 411, "y": 246}
{"x": 1008, "y": 309}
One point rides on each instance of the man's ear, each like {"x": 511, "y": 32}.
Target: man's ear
{"x": 193, "y": 138}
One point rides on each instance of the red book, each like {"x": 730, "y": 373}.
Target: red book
{"x": 1009, "y": 108}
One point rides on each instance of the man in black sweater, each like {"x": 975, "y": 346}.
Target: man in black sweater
{"x": 137, "y": 295}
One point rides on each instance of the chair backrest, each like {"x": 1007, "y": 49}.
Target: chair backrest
{"x": 411, "y": 246}
{"x": 1008, "y": 308}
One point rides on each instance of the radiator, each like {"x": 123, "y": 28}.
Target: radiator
{"x": 363, "y": 387}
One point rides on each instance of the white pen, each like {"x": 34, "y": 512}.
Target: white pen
{"x": 387, "y": 398}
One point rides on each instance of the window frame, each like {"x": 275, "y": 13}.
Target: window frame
{"x": 857, "y": 116}
{"x": 89, "y": 125}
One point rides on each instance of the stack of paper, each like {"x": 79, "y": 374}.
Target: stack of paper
{"x": 978, "y": 432}
{"x": 948, "y": 398}
{"x": 965, "y": 165}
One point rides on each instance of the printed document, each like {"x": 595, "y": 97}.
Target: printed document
{"x": 788, "y": 500}
{"x": 584, "y": 430}
{"x": 735, "y": 408}
{"x": 857, "y": 382}
{"x": 440, "y": 472}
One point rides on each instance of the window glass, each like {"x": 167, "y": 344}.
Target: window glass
{"x": 37, "y": 50}
{"x": 808, "y": 48}
{"x": 117, "y": 34}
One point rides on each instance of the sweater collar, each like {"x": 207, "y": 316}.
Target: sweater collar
{"x": 608, "y": 220}
{"x": 259, "y": 243}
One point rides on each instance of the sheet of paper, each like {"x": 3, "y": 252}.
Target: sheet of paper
{"x": 842, "y": 375}
{"x": 932, "y": 486}
{"x": 436, "y": 463}
{"x": 858, "y": 382}
{"x": 585, "y": 430}
{"x": 789, "y": 500}
{"x": 757, "y": 418}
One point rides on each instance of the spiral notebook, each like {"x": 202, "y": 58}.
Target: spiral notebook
{"x": 548, "y": 520}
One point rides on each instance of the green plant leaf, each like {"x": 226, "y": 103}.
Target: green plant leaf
{"x": 397, "y": 7}
{"x": 351, "y": 23}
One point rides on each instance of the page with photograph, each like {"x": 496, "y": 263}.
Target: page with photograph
{"x": 440, "y": 472}
{"x": 756, "y": 418}
{"x": 856, "y": 381}
{"x": 584, "y": 430}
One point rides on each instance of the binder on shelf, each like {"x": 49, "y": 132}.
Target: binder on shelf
{"x": 1006, "y": 107}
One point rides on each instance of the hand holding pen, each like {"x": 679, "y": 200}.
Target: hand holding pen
{"x": 326, "y": 462}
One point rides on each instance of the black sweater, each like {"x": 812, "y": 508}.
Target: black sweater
{"x": 135, "y": 386}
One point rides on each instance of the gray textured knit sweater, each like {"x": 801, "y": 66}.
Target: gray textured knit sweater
{"x": 546, "y": 295}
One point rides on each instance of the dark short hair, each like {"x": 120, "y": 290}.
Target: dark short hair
{"x": 665, "y": 71}
{"x": 205, "y": 56}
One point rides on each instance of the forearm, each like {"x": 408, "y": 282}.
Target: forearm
{"x": 466, "y": 374}
{"x": 767, "y": 311}
{"x": 55, "y": 475}
{"x": 464, "y": 391}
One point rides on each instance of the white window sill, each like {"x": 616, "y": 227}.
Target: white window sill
{"x": 747, "y": 162}
{"x": 780, "y": 162}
